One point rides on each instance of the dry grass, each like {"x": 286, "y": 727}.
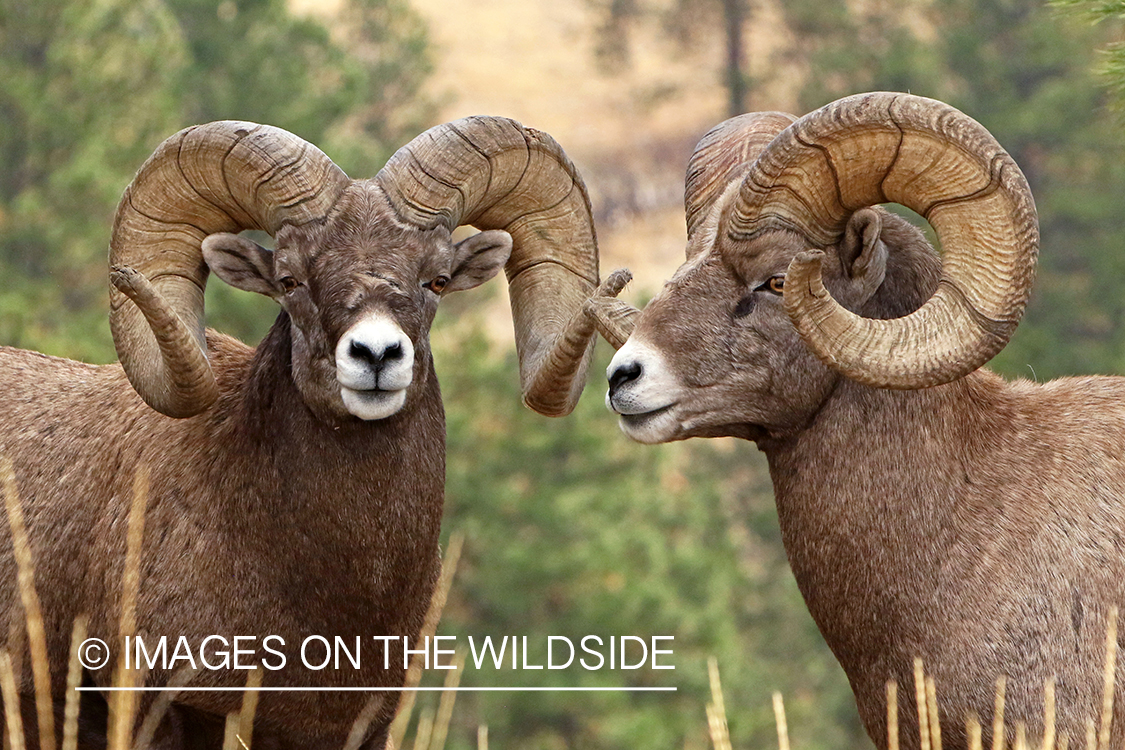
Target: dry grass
{"x": 782, "y": 724}
{"x": 73, "y": 680}
{"x": 929, "y": 727}
{"x": 716, "y": 709}
{"x": 238, "y": 733}
{"x": 33, "y": 615}
{"x": 432, "y": 727}
{"x": 429, "y": 628}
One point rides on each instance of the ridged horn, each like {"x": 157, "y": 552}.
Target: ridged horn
{"x": 613, "y": 318}
{"x": 889, "y": 147}
{"x": 493, "y": 173}
{"x": 724, "y": 154}
{"x": 221, "y": 177}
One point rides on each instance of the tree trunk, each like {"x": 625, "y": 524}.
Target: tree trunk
{"x": 733, "y": 14}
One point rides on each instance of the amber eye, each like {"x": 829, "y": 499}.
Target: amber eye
{"x": 776, "y": 284}
{"x": 436, "y": 284}
{"x": 288, "y": 283}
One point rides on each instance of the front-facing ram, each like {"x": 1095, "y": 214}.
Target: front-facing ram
{"x": 295, "y": 489}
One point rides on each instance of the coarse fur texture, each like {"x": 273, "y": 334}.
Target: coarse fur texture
{"x": 296, "y": 488}
{"x": 977, "y": 524}
{"x": 240, "y": 484}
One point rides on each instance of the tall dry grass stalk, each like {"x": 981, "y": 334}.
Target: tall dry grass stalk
{"x": 1049, "y": 714}
{"x": 779, "y": 719}
{"x": 33, "y": 614}
{"x": 935, "y": 719}
{"x": 930, "y": 725}
{"x": 716, "y": 709}
{"x": 1020, "y": 742}
{"x": 73, "y": 680}
{"x": 425, "y": 729}
{"x": 932, "y": 712}
{"x": 417, "y": 663}
{"x": 230, "y": 732}
{"x": 998, "y": 714}
{"x": 448, "y": 698}
{"x": 973, "y": 730}
{"x": 123, "y": 704}
{"x": 1110, "y": 673}
{"x": 892, "y": 715}
{"x": 160, "y": 706}
{"x": 239, "y": 728}
{"x": 249, "y": 708}
{"x": 17, "y": 636}
{"x": 359, "y": 728}
{"x": 920, "y": 701}
{"x": 11, "y": 698}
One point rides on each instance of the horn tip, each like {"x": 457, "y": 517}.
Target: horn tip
{"x": 615, "y": 282}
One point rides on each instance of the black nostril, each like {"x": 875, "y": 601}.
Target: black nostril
{"x": 623, "y": 374}
{"x": 363, "y": 352}
{"x": 374, "y": 358}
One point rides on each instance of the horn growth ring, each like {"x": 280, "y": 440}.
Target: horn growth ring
{"x": 886, "y": 147}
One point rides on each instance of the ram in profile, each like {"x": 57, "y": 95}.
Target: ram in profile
{"x": 928, "y": 507}
{"x": 296, "y": 489}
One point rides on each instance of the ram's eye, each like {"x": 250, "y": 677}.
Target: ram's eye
{"x": 437, "y": 284}
{"x": 776, "y": 284}
{"x": 288, "y": 283}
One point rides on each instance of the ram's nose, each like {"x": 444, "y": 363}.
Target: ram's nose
{"x": 622, "y": 373}
{"x": 375, "y": 355}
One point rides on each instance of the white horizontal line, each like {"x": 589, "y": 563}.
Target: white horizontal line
{"x": 381, "y": 689}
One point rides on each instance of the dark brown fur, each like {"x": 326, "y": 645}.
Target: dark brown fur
{"x": 241, "y": 485}
{"x": 274, "y": 512}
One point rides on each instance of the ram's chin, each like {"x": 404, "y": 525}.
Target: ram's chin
{"x": 370, "y": 405}
{"x": 657, "y": 426}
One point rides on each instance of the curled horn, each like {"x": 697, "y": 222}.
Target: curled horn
{"x": 886, "y": 147}
{"x": 493, "y": 173}
{"x": 721, "y": 156}
{"x": 724, "y": 154}
{"x": 221, "y": 177}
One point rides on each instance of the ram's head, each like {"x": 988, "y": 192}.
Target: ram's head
{"x": 793, "y": 280}
{"x": 359, "y": 265}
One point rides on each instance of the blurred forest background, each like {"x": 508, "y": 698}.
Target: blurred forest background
{"x": 571, "y": 529}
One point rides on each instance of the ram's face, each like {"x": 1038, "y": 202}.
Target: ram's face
{"x": 360, "y": 293}
{"x": 714, "y": 353}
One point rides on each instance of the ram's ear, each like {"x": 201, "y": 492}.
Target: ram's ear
{"x": 240, "y": 262}
{"x": 863, "y": 254}
{"x": 478, "y": 258}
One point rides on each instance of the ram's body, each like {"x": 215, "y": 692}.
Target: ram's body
{"x": 295, "y": 490}
{"x": 929, "y": 509}
{"x": 261, "y": 520}
{"x": 976, "y": 525}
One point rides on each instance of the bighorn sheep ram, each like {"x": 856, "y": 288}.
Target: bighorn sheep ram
{"x": 299, "y": 489}
{"x": 928, "y": 508}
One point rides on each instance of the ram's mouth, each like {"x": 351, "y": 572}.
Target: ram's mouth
{"x": 653, "y": 426}
{"x": 375, "y": 403}
{"x": 641, "y": 418}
